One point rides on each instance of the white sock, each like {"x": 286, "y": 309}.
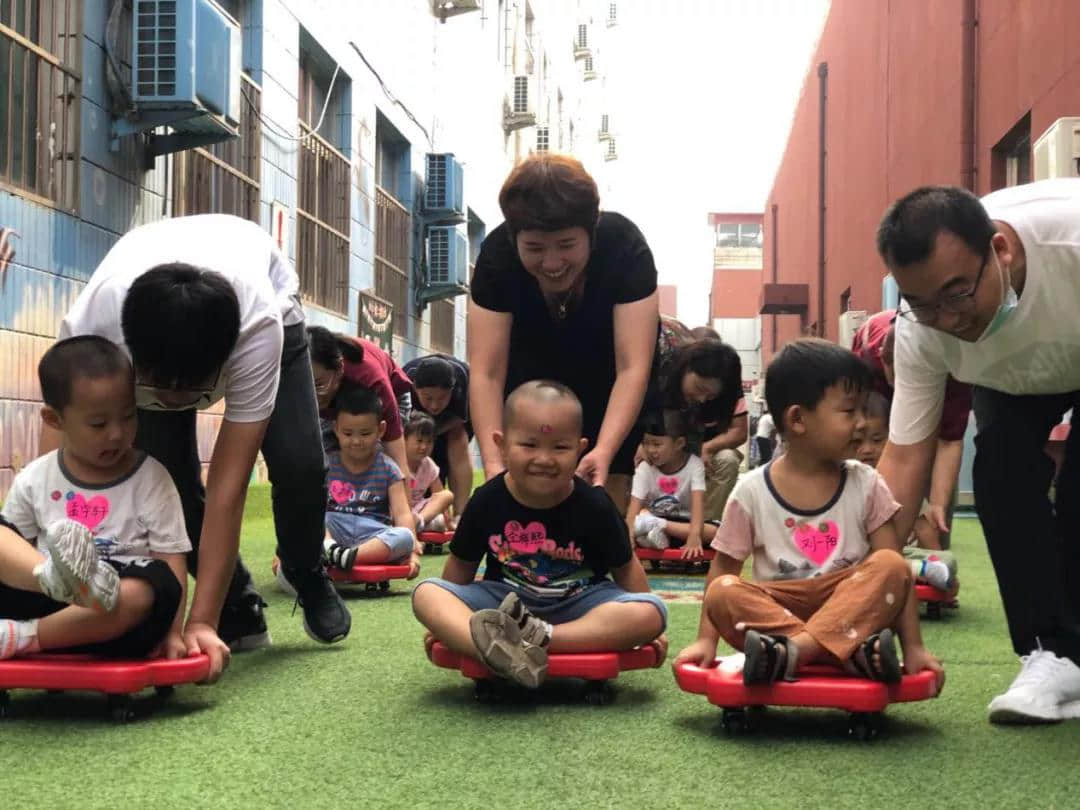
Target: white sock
{"x": 646, "y": 521}
{"x": 18, "y": 638}
{"x": 934, "y": 572}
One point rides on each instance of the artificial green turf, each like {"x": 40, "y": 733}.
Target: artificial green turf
{"x": 371, "y": 722}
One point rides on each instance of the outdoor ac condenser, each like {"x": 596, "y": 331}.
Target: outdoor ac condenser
{"x": 1057, "y": 151}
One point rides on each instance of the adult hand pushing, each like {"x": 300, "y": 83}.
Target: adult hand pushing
{"x": 202, "y": 638}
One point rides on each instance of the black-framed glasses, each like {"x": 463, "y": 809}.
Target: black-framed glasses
{"x": 956, "y": 304}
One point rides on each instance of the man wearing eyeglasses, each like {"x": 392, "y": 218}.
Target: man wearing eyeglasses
{"x": 991, "y": 295}
{"x": 208, "y": 310}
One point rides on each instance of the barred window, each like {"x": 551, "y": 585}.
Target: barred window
{"x": 40, "y": 88}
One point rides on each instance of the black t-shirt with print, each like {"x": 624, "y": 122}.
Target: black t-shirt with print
{"x": 550, "y": 553}
{"x": 578, "y": 350}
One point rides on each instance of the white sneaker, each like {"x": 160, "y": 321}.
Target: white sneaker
{"x": 73, "y": 572}
{"x": 1046, "y": 690}
{"x": 646, "y": 521}
{"x": 655, "y": 538}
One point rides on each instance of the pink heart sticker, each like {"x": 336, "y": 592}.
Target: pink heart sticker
{"x": 817, "y": 543}
{"x": 525, "y": 539}
{"x": 89, "y": 513}
{"x": 342, "y": 491}
{"x": 668, "y": 485}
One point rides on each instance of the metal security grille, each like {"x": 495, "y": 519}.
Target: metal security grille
{"x": 322, "y": 222}
{"x": 543, "y": 139}
{"x": 521, "y": 94}
{"x": 435, "y": 196}
{"x": 582, "y": 36}
{"x": 439, "y": 256}
{"x": 442, "y": 326}
{"x": 40, "y": 88}
{"x": 392, "y": 226}
{"x": 603, "y": 123}
{"x": 588, "y": 64}
{"x": 224, "y": 178}
{"x": 155, "y": 47}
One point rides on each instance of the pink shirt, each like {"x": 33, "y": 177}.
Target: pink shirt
{"x": 790, "y": 543}
{"x": 425, "y": 475}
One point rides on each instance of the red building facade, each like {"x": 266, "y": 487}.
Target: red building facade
{"x": 898, "y": 95}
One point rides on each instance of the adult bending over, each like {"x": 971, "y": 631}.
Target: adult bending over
{"x": 564, "y": 292}
{"x": 990, "y": 293}
{"x": 207, "y": 308}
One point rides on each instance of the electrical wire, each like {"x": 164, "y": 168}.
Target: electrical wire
{"x": 394, "y": 99}
{"x": 276, "y": 131}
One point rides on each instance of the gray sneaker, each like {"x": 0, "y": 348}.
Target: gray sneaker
{"x": 73, "y": 572}
{"x": 533, "y": 630}
{"x": 502, "y": 649}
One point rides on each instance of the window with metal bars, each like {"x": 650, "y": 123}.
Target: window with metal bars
{"x": 543, "y": 139}
{"x": 442, "y": 326}
{"x": 393, "y": 223}
{"x": 324, "y": 186}
{"x": 521, "y": 94}
{"x": 40, "y": 88}
{"x": 613, "y": 12}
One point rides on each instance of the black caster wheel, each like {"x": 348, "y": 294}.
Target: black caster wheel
{"x": 735, "y": 721}
{"x": 164, "y": 692}
{"x": 598, "y": 693}
{"x": 484, "y": 691}
{"x": 54, "y": 691}
{"x": 933, "y": 610}
{"x": 654, "y": 565}
{"x": 120, "y": 708}
{"x": 384, "y": 586}
{"x": 436, "y": 549}
{"x": 371, "y": 587}
{"x": 864, "y": 727}
{"x": 429, "y": 548}
{"x": 5, "y": 705}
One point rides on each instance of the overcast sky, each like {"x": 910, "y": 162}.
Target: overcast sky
{"x": 706, "y": 91}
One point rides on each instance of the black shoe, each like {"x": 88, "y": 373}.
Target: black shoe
{"x": 326, "y": 618}
{"x": 340, "y": 556}
{"x": 242, "y": 625}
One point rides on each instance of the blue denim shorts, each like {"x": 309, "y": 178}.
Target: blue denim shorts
{"x": 352, "y": 530}
{"x": 487, "y": 594}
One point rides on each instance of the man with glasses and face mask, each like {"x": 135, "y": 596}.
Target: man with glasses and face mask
{"x": 990, "y": 294}
{"x": 207, "y": 309}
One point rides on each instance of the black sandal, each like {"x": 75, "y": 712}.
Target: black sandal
{"x": 768, "y": 658}
{"x": 887, "y": 669}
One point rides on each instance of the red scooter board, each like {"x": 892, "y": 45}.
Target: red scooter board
{"x": 671, "y": 555}
{"x": 434, "y": 541}
{"x": 117, "y": 678}
{"x": 817, "y": 687}
{"x": 597, "y": 668}
{"x": 935, "y": 599}
{"x": 373, "y": 577}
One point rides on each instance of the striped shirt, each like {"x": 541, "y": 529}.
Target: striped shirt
{"x": 366, "y": 493}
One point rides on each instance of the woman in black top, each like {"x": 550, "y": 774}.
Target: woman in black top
{"x": 564, "y": 292}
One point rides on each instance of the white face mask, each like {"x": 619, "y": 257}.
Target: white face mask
{"x": 1008, "y": 305}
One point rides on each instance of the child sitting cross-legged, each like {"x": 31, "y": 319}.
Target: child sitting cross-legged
{"x": 102, "y": 566}
{"x": 368, "y": 519}
{"x": 559, "y": 574}
{"x": 667, "y": 499}
{"x": 829, "y": 583}
{"x": 432, "y": 512}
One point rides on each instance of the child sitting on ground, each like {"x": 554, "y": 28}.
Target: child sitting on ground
{"x": 932, "y": 566}
{"x": 432, "y": 512}
{"x": 829, "y": 584}
{"x": 108, "y": 572}
{"x": 667, "y": 499}
{"x": 368, "y": 520}
{"x": 559, "y": 573}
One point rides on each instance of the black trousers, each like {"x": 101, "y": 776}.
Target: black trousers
{"x": 294, "y": 460}
{"x": 1034, "y": 544}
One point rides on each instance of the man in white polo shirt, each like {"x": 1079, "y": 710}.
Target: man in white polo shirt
{"x": 991, "y": 295}
{"x": 207, "y": 308}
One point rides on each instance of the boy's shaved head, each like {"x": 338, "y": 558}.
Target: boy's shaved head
{"x": 543, "y": 392}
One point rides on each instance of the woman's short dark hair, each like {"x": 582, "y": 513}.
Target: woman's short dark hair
{"x": 432, "y": 371}
{"x": 421, "y": 425}
{"x": 87, "y": 356}
{"x": 328, "y": 349}
{"x": 712, "y": 359}
{"x": 804, "y": 369}
{"x": 549, "y": 192}
{"x": 180, "y": 324}
{"x": 910, "y": 226}
{"x": 356, "y": 399}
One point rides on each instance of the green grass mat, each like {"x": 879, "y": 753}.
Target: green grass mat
{"x": 371, "y": 723}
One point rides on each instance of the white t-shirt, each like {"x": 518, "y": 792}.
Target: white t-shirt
{"x": 790, "y": 543}
{"x": 668, "y": 494}
{"x": 266, "y": 286}
{"x": 1037, "y": 350}
{"x": 129, "y": 518}
{"x": 765, "y": 427}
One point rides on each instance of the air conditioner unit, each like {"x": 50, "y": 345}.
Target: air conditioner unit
{"x": 581, "y": 42}
{"x": 850, "y": 322}
{"x": 1057, "y": 151}
{"x": 543, "y": 139}
{"x": 605, "y": 132}
{"x": 186, "y": 72}
{"x": 590, "y": 72}
{"x": 451, "y": 8}
{"x": 518, "y": 109}
{"x": 443, "y": 198}
{"x": 611, "y": 154}
{"x": 447, "y": 264}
